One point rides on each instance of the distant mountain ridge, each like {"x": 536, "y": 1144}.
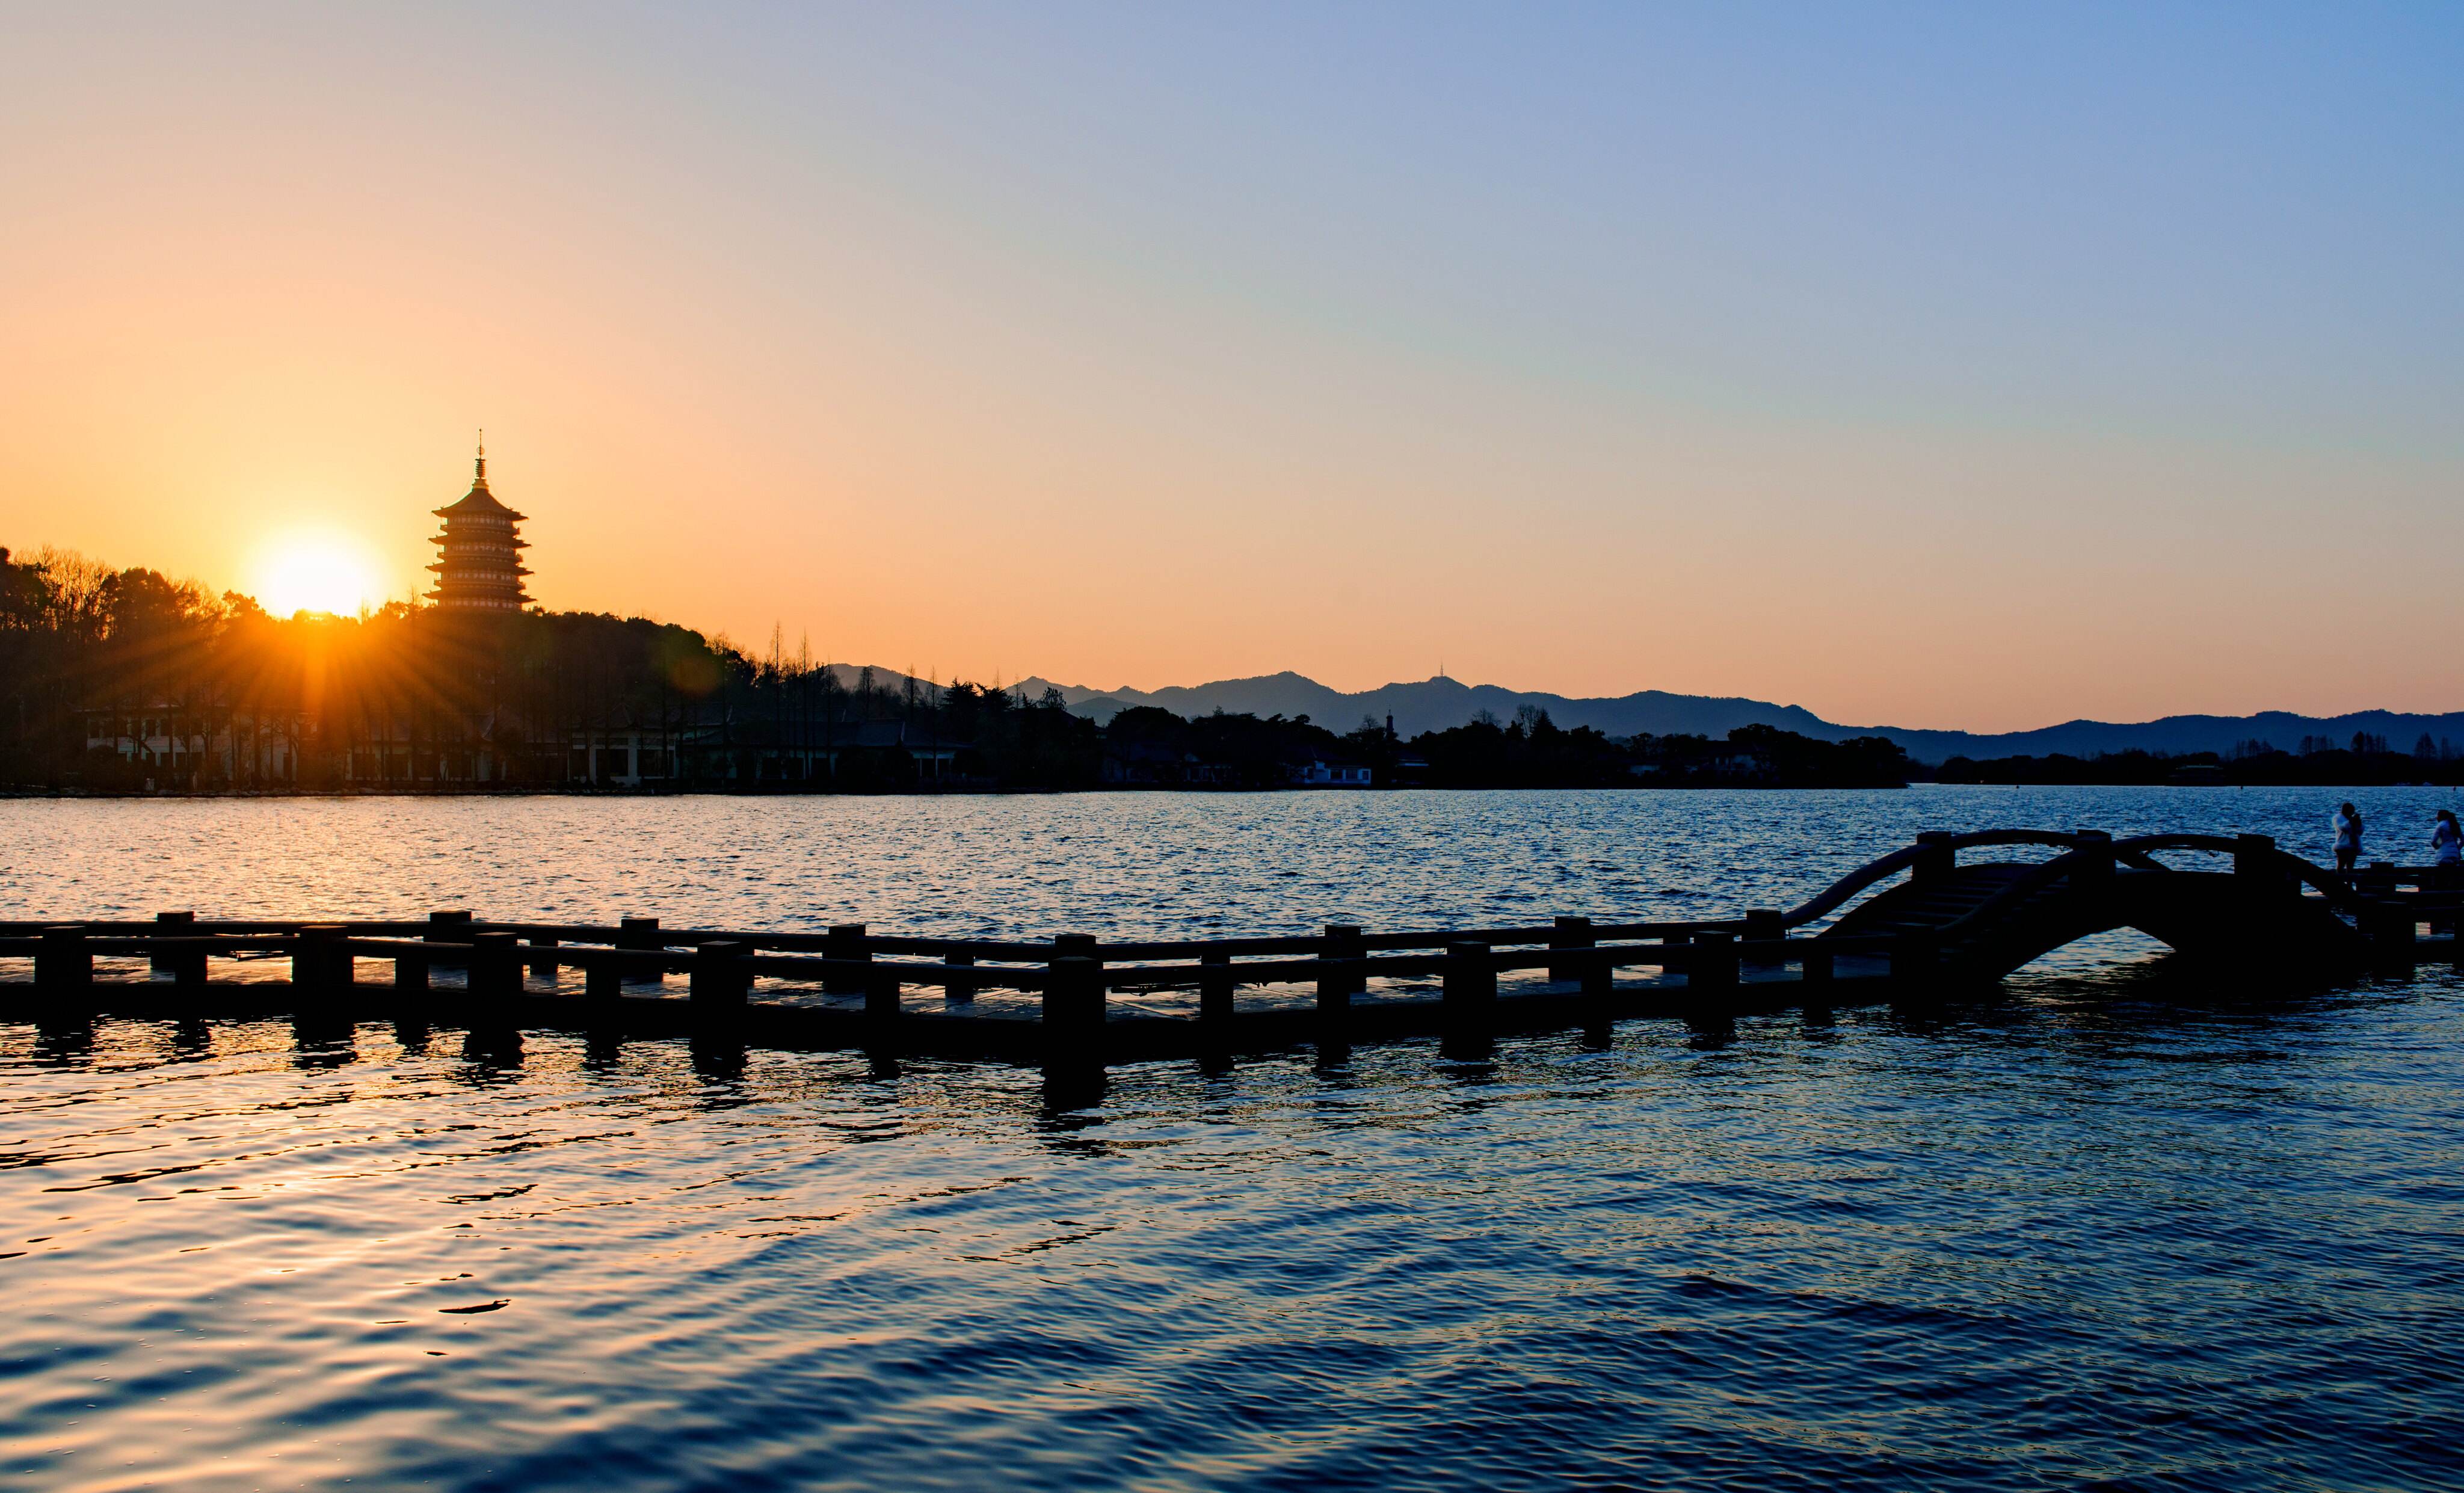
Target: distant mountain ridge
{"x": 1440, "y": 703}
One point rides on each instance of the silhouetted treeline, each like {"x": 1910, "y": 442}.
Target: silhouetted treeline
{"x": 124, "y": 680}
{"x": 128, "y": 681}
{"x": 2366, "y": 760}
{"x": 1147, "y": 745}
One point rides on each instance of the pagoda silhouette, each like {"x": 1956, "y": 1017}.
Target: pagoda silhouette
{"x": 479, "y": 565}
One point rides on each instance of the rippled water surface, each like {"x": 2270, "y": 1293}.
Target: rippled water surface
{"x": 2119, "y": 1225}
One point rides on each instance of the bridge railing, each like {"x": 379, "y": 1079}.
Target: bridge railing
{"x": 1072, "y": 983}
{"x": 2338, "y": 890}
{"x": 649, "y": 932}
{"x": 1931, "y": 849}
{"x": 988, "y": 963}
{"x": 2094, "y": 853}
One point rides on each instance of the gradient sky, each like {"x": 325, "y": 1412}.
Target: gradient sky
{"x": 1969, "y": 365}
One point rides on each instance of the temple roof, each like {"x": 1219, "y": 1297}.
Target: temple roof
{"x": 478, "y": 500}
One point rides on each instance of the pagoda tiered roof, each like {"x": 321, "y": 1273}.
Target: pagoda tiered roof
{"x": 478, "y": 564}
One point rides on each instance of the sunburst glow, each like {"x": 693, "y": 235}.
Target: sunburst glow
{"x": 314, "y": 573}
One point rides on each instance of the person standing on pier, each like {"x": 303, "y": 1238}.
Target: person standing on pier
{"x": 2348, "y": 837}
{"x": 2446, "y": 868}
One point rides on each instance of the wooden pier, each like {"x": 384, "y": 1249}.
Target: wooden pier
{"x": 1910, "y": 927}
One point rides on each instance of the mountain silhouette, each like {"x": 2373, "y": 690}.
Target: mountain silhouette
{"x": 1441, "y": 703}
{"x": 1438, "y": 703}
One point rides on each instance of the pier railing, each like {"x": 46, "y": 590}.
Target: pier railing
{"x": 849, "y": 957}
{"x": 1433, "y": 978}
{"x": 732, "y": 977}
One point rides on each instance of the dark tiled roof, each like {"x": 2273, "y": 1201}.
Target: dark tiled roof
{"x": 478, "y": 500}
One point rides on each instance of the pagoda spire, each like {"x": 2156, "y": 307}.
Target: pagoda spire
{"x": 479, "y": 479}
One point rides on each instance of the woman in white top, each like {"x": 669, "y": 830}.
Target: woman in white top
{"x": 2447, "y": 840}
{"x": 2348, "y": 837}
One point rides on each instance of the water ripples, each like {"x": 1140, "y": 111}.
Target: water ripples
{"x": 2114, "y": 1227}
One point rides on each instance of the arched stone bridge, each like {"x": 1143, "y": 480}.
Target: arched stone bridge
{"x": 1985, "y": 919}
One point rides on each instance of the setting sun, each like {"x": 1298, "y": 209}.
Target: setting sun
{"x": 314, "y": 573}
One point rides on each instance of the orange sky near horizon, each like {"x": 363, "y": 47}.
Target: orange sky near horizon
{"x": 755, "y": 344}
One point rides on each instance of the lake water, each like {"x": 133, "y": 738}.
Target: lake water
{"x": 2118, "y": 1226}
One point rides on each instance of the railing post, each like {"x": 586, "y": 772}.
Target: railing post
{"x": 543, "y": 968}
{"x": 189, "y": 971}
{"x": 170, "y": 924}
{"x": 2258, "y": 871}
{"x": 317, "y": 963}
{"x": 1938, "y": 860}
{"x": 1469, "y": 988}
{"x": 845, "y": 945}
{"x": 1765, "y": 925}
{"x": 1336, "y": 980}
{"x": 602, "y": 982}
{"x": 410, "y": 973}
{"x": 641, "y": 933}
{"x": 63, "y": 965}
{"x": 491, "y": 978}
{"x": 495, "y": 971}
{"x": 187, "y": 967}
{"x": 723, "y": 975}
{"x": 881, "y": 997}
{"x": 1715, "y": 966}
{"x": 1073, "y": 996}
{"x": 451, "y": 926}
{"x": 2379, "y": 879}
{"x": 1597, "y": 978}
{"x": 1571, "y": 932}
{"x": 1339, "y": 956}
{"x": 1214, "y": 991}
{"x": 958, "y": 989}
{"x": 1342, "y": 942}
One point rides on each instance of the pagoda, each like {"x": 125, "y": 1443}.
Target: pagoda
{"x": 479, "y": 565}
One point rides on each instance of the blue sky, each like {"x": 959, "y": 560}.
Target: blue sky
{"x": 1733, "y": 349}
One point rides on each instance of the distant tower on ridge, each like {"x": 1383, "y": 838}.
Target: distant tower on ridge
{"x": 478, "y": 564}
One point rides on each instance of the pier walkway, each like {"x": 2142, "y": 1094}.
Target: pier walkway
{"x": 1949, "y": 912}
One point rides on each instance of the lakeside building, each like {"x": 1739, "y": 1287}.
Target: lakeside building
{"x": 165, "y": 746}
{"x": 1150, "y": 763}
{"x": 1681, "y": 758}
{"x": 756, "y": 752}
{"x": 479, "y": 563}
{"x": 1317, "y": 773}
{"x": 1146, "y": 763}
{"x": 181, "y": 746}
